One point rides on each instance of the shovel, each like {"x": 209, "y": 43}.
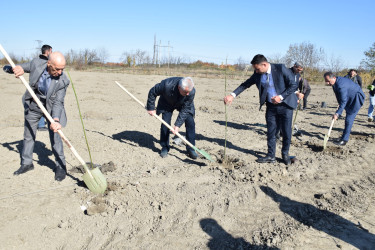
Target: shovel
{"x": 202, "y": 152}
{"x": 299, "y": 103}
{"x": 94, "y": 179}
{"x": 327, "y": 135}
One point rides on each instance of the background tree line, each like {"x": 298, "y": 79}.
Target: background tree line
{"x": 314, "y": 59}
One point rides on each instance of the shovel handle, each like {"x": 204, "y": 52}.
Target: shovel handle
{"x": 156, "y": 116}
{"x": 44, "y": 110}
{"x": 330, "y": 128}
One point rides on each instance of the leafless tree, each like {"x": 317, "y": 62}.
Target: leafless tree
{"x": 102, "y": 55}
{"x": 241, "y": 64}
{"x": 335, "y": 64}
{"x": 306, "y": 53}
{"x": 276, "y": 58}
{"x": 90, "y": 56}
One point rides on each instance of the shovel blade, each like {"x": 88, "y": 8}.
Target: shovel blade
{"x": 204, "y": 153}
{"x": 95, "y": 181}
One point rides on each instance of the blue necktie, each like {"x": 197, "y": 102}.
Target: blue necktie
{"x": 44, "y": 83}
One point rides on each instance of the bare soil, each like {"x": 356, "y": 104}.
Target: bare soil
{"x": 324, "y": 200}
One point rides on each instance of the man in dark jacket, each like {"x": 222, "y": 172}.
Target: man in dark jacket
{"x": 296, "y": 70}
{"x": 305, "y": 89}
{"x": 353, "y": 75}
{"x": 276, "y": 87}
{"x": 176, "y": 93}
{"x": 350, "y": 97}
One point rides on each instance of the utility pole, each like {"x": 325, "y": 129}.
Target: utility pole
{"x": 159, "y": 54}
{"x": 154, "y": 57}
{"x": 169, "y": 56}
{"x": 39, "y": 45}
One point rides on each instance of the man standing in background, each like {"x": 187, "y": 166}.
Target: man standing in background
{"x": 46, "y": 51}
{"x": 353, "y": 75}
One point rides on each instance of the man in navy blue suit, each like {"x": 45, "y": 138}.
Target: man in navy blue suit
{"x": 276, "y": 87}
{"x": 350, "y": 97}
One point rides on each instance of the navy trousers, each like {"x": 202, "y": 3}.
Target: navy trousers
{"x": 164, "y": 131}
{"x": 278, "y": 115}
{"x": 349, "y": 120}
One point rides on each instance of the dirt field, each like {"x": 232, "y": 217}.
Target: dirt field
{"x": 323, "y": 201}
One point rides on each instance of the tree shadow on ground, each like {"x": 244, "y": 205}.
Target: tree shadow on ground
{"x": 323, "y": 220}
{"x": 256, "y": 127}
{"x": 317, "y": 135}
{"x": 325, "y": 113}
{"x": 222, "y": 240}
{"x": 231, "y": 145}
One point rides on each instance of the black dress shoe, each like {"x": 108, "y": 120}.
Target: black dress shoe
{"x": 286, "y": 159}
{"x": 267, "y": 159}
{"x": 340, "y": 143}
{"x": 164, "y": 153}
{"x": 192, "y": 154}
{"x": 23, "y": 169}
{"x": 60, "y": 173}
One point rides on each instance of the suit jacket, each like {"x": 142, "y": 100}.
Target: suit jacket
{"x": 171, "y": 99}
{"x": 283, "y": 81}
{"x": 296, "y": 77}
{"x": 56, "y": 92}
{"x": 349, "y": 95}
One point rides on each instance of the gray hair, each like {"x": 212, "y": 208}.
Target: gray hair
{"x": 298, "y": 64}
{"x": 329, "y": 74}
{"x": 186, "y": 83}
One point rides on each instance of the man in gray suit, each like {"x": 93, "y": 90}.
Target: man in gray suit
{"x": 49, "y": 84}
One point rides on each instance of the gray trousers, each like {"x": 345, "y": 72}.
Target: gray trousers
{"x": 31, "y": 123}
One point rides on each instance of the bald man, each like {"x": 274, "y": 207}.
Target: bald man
{"x": 49, "y": 83}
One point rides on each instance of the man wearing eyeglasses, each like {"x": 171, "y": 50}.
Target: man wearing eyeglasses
{"x": 176, "y": 93}
{"x": 49, "y": 84}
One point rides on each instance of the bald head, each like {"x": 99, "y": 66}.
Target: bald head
{"x": 57, "y": 57}
{"x": 56, "y": 64}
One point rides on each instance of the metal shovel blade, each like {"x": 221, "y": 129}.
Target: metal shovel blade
{"x": 95, "y": 181}
{"x": 204, "y": 153}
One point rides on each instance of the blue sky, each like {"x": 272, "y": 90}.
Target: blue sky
{"x": 206, "y": 30}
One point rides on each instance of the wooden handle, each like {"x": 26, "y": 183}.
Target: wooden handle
{"x": 330, "y": 128}
{"x": 156, "y": 116}
{"x": 45, "y": 112}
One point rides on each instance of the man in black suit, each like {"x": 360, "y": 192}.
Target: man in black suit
{"x": 175, "y": 93}
{"x": 276, "y": 87}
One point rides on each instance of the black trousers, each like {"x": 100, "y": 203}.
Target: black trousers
{"x": 278, "y": 115}
{"x": 164, "y": 131}
{"x": 305, "y": 98}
